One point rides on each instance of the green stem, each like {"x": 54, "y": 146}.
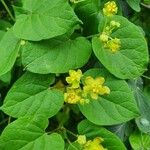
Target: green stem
{"x": 90, "y": 36}
{"x": 9, "y": 120}
{"x": 7, "y": 9}
{"x": 68, "y": 131}
{"x": 146, "y": 77}
{"x": 63, "y": 129}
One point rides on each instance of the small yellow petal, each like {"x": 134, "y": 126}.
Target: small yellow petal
{"x": 94, "y": 96}
{"x": 110, "y": 8}
{"x": 100, "y": 80}
{"x": 81, "y": 139}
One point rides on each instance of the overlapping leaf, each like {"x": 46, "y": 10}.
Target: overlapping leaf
{"x": 32, "y": 95}
{"x": 117, "y": 107}
{"x": 111, "y": 141}
{"x": 88, "y": 12}
{"x": 132, "y": 58}
{"x": 139, "y": 141}
{"x": 28, "y": 133}
{"x": 56, "y": 55}
{"x": 44, "y": 19}
{"x": 9, "y": 47}
{"x": 134, "y": 4}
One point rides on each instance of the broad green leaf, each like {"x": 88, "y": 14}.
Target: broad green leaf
{"x": 56, "y": 55}
{"x": 132, "y": 58}
{"x": 111, "y": 141}
{"x": 134, "y": 4}
{"x": 9, "y": 47}
{"x": 2, "y": 33}
{"x": 19, "y": 10}
{"x": 27, "y": 133}
{"x": 140, "y": 141}
{"x": 6, "y": 78}
{"x": 117, "y": 107}
{"x": 32, "y": 95}
{"x": 44, "y": 19}
{"x": 74, "y": 146}
{"x": 143, "y": 122}
{"x": 88, "y": 12}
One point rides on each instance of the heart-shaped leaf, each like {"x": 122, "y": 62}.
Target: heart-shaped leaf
{"x": 56, "y": 55}
{"x": 117, "y": 107}
{"x": 32, "y": 95}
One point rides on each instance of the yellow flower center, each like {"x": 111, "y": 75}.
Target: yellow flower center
{"x": 74, "y": 78}
{"x": 95, "y": 87}
{"x": 110, "y": 43}
{"x": 104, "y": 37}
{"x": 110, "y": 8}
{"x": 114, "y": 45}
{"x": 94, "y": 145}
{"x": 81, "y": 139}
{"x": 72, "y": 96}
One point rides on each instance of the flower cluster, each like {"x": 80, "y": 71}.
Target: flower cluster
{"x": 94, "y": 144}
{"x": 92, "y": 88}
{"x": 110, "y": 8}
{"x": 113, "y": 44}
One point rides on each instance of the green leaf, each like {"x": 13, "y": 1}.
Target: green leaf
{"x": 143, "y": 122}
{"x": 140, "y": 141}
{"x": 32, "y": 95}
{"x": 88, "y": 12}
{"x": 42, "y": 22}
{"x": 111, "y": 141}
{"x": 27, "y": 133}
{"x": 4, "y": 25}
{"x": 117, "y": 107}
{"x": 56, "y": 55}
{"x": 74, "y": 146}
{"x": 9, "y": 47}
{"x": 6, "y": 78}
{"x": 132, "y": 58}
{"x": 134, "y": 4}
{"x": 2, "y": 33}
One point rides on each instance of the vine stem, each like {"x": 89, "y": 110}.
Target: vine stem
{"x": 7, "y": 9}
{"x": 71, "y": 133}
{"x": 147, "y": 6}
{"x": 9, "y": 120}
{"x": 63, "y": 129}
{"x": 146, "y": 77}
{"x": 90, "y": 36}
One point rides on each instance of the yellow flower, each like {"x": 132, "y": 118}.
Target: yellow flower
{"x": 74, "y": 78}
{"x": 94, "y": 145}
{"x": 81, "y": 139}
{"x": 94, "y": 87}
{"x": 110, "y": 8}
{"x": 115, "y": 24}
{"x": 104, "y": 37}
{"x": 72, "y": 96}
{"x": 114, "y": 44}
